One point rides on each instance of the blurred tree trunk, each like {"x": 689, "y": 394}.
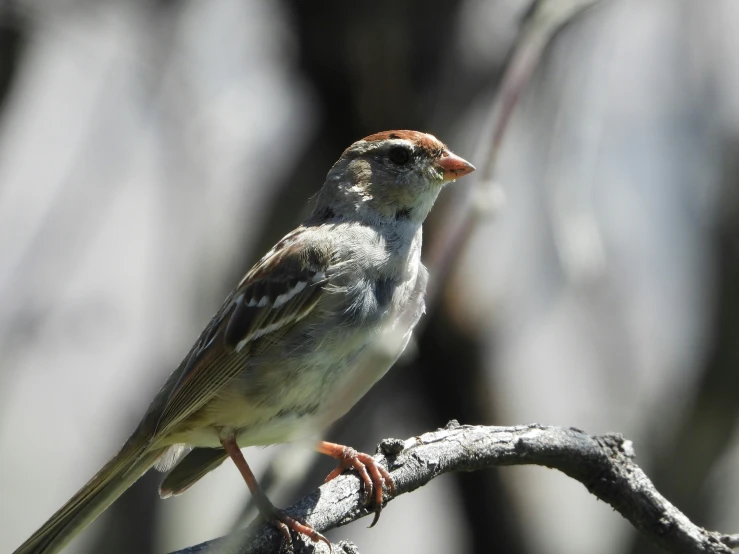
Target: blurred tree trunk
{"x": 13, "y": 34}
{"x": 710, "y": 421}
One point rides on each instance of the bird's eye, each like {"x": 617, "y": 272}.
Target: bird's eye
{"x": 399, "y": 155}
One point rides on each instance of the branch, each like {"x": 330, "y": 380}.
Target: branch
{"x": 603, "y": 464}
{"x": 481, "y": 197}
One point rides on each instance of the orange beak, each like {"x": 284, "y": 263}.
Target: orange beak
{"x": 453, "y": 166}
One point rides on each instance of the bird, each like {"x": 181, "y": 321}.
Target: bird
{"x": 295, "y": 345}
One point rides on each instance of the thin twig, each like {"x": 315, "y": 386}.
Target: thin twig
{"x": 476, "y": 200}
{"x": 604, "y": 464}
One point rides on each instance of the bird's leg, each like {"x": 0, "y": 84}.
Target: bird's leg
{"x": 373, "y": 475}
{"x": 267, "y": 510}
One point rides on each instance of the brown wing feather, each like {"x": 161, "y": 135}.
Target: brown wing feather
{"x": 279, "y": 291}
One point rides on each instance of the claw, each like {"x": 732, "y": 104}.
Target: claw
{"x": 372, "y": 474}
{"x": 284, "y": 523}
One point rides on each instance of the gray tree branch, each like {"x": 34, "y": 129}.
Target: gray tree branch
{"x": 604, "y": 464}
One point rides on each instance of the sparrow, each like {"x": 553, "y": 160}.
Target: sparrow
{"x": 289, "y": 350}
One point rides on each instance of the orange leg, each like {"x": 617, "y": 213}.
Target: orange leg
{"x": 276, "y": 517}
{"x": 373, "y": 475}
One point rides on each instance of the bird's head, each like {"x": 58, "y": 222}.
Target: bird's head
{"x": 392, "y": 175}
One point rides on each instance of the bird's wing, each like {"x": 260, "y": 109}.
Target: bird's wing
{"x": 280, "y": 290}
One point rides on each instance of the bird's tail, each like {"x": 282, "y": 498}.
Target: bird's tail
{"x": 91, "y": 500}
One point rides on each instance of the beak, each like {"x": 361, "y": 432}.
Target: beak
{"x": 453, "y": 166}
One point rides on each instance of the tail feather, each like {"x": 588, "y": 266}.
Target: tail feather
{"x": 91, "y": 500}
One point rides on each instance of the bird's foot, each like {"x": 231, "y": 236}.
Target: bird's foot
{"x": 279, "y": 519}
{"x": 372, "y": 474}
{"x": 284, "y": 523}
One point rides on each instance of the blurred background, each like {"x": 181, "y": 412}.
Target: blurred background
{"x": 152, "y": 150}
